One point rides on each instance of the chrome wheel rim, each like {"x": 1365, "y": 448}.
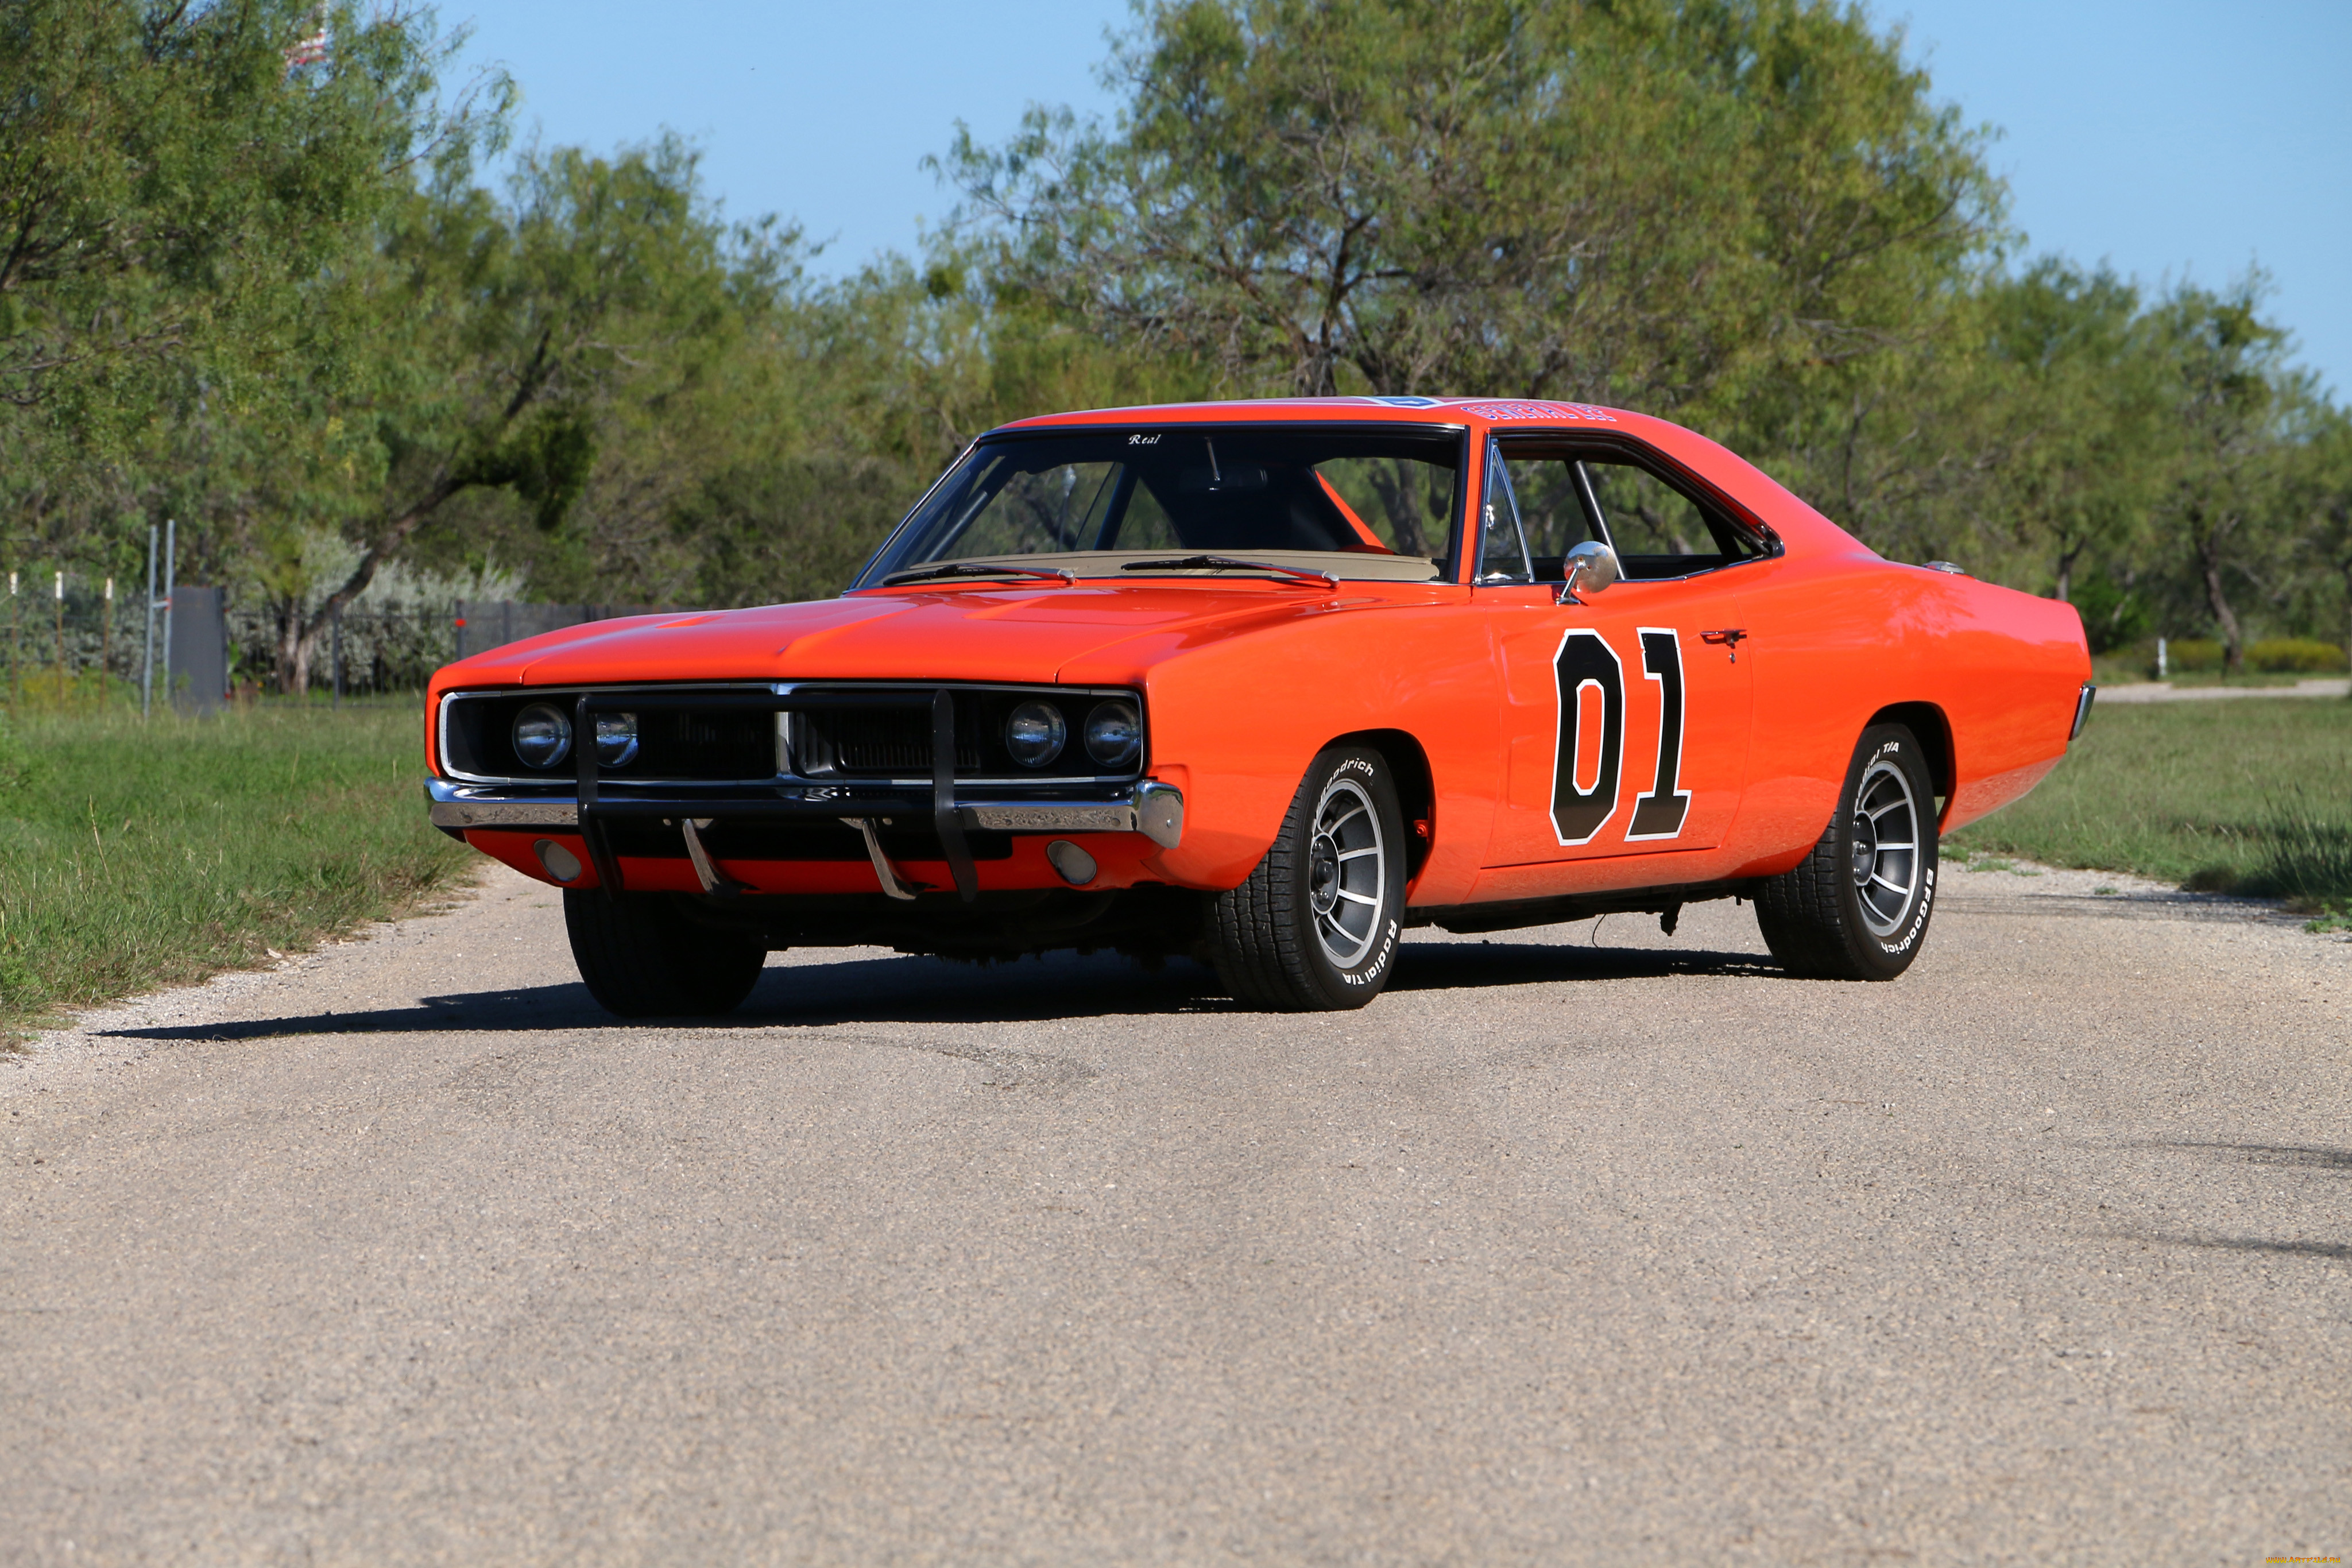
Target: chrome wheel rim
{"x": 1884, "y": 848}
{"x": 1346, "y": 872}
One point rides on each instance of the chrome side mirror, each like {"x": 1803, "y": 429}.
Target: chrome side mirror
{"x": 1590, "y": 567}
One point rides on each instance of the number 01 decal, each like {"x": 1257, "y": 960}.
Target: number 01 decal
{"x": 1586, "y": 659}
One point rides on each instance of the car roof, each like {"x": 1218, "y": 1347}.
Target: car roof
{"x": 1735, "y": 480}
{"x": 1482, "y": 410}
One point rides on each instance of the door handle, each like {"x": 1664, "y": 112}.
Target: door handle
{"x": 1729, "y": 639}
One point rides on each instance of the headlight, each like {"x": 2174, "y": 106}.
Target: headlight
{"x": 1035, "y": 733}
{"x": 616, "y": 738}
{"x": 543, "y": 736}
{"x": 1114, "y": 734}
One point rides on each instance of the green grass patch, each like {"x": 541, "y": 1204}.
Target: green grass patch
{"x": 2249, "y": 797}
{"x": 137, "y": 854}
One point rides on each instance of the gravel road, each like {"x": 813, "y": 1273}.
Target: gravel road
{"x": 2159, "y": 692}
{"x": 1583, "y": 1246}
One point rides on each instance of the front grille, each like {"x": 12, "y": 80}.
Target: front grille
{"x": 715, "y": 745}
{"x": 886, "y": 743}
{"x": 837, "y": 736}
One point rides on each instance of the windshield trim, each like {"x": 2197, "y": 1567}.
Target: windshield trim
{"x": 1449, "y": 563}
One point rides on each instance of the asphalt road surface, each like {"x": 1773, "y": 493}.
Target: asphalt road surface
{"x": 1583, "y": 1245}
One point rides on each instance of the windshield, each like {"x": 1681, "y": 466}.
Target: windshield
{"x": 1370, "y": 503}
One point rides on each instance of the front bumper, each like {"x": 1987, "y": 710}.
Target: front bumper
{"x": 1152, "y": 808}
{"x": 595, "y": 801}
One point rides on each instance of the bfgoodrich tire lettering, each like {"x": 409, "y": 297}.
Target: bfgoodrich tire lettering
{"x": 1316, "y": 926}
{"x": 1856, "y": 907}
{"x": 642, "y": 958}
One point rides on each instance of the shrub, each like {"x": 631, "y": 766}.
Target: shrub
{"x": 2113, "y": 617}
{"x": 2193, "y": 655}
{"x": 2295, "y": 655}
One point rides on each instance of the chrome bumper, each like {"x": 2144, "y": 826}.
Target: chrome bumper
{"x": 1152, "y": 808}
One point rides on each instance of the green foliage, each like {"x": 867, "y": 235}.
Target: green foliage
{"x": 2295, "y": 655}
{"x": 2193, "y": 655}
{"x": 275, "y": 303}
{"x": 143, "y": 854}
{"x": 21, "y": 767}
{"x": 2113, "y": 616}
{"x": 1680, "y": 207}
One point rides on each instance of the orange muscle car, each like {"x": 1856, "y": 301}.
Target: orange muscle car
{"x": 1269, "y": 683}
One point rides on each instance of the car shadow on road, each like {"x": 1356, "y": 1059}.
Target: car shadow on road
{"x": 2320, "y": 1158}
{"x": 1464, "y": 966}
{"x": 931, "y": 990}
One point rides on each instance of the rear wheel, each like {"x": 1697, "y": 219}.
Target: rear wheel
{"x": 1315, "y": 928}
{"x": 642, "y": 957}
{"x": 1856, "y": 908}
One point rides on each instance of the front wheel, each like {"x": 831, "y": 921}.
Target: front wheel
{"x": 1315, "y": 928}
{"x": 642, "y": 958}
{"x": 1856, "y": 908}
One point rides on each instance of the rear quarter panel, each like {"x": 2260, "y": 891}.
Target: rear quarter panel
{"x": 1838, "y": 638}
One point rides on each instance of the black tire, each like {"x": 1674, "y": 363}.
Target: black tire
{"x": 642, "y": 957}
{"x": 1315, "y": 928}
{"x": 1856, "y": 907}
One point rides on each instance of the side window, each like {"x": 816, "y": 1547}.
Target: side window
{"x": 1503, "y": 553}
{"x": 1656, "y": 530}
{"x": 1535, "y": 513}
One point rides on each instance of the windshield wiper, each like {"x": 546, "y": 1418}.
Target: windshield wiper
{"x": 976, "y": 568}
{"x": 1231, "y": 563}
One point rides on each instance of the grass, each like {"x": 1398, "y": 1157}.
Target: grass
{"x": 135, "y": 855}
{"x": 2236, "y": 797}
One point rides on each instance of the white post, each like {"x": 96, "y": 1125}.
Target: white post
{"x": 2163, "y": 668}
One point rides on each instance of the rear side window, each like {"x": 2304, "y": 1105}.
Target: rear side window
{"x": 1564, "y": 494}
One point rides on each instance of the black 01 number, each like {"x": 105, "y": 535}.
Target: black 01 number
{"x": 1586, "y": 659}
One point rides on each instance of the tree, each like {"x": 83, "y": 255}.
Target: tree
{"x": 169, "y": 175}
{"x": 2230, "y": 395}
{"x": 1678, "y": 204}
{"x": 481, "y": 344}
{"x": 2080, "y": 479}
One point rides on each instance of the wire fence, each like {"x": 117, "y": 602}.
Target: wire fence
{"x": 69, "y": 642}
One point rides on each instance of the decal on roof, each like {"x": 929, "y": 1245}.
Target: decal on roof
{"x": 1539, "y": 411}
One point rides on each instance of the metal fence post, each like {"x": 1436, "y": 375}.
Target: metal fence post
{"x": 338, "y": 656}
{"x": 61, "y": 639}
{"x": 171, "y": 564}
{"x": 147, "y": 661}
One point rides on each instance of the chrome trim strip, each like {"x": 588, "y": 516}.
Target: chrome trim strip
{"x": 1110, "y": 819}
{"x": 2082, "y": 712}
{"x": 1154, "y": 810}
{"x": 505, "y": 814}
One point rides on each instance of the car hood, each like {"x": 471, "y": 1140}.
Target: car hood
{"x": 1013, "y": 634}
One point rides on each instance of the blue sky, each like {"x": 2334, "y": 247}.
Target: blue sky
{"x": 2172, "y": 140}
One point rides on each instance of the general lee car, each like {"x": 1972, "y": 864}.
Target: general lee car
{"x": 1269, "y": 683}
